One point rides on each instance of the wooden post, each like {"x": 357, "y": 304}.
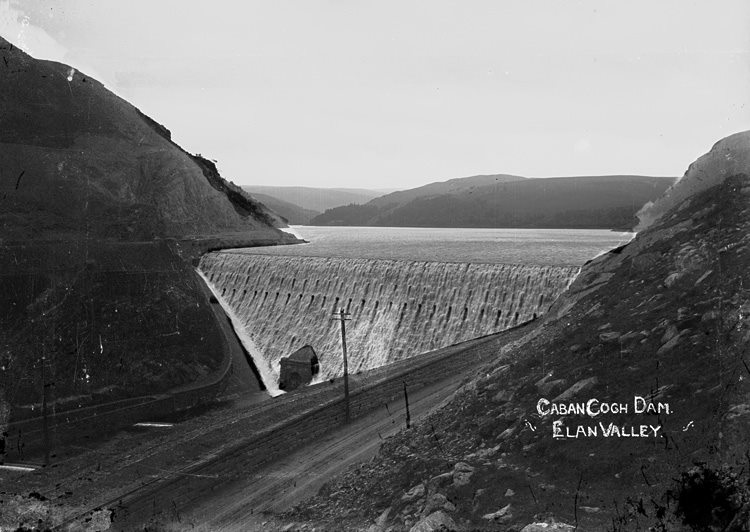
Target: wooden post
{"x": 342, "y": 317}
{"x": 346, "y": 367}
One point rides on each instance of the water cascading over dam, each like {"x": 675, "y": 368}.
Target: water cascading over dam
{"x": 397, "y": 308}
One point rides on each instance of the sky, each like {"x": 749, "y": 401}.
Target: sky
{"x": 395, "y": 94}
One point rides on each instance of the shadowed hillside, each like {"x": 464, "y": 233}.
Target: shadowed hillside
{"x": 508, "y": 201}
{"x": 101, "y": 219}
{"x": 664, "y": 319}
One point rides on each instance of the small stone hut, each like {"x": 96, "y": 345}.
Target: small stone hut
{"x": 298, "y": 368}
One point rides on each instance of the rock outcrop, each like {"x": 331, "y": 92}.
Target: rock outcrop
{"x": 728, "y": 157}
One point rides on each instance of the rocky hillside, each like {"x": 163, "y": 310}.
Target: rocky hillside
{"x": 609, "y": 202}
{"x": 626, "y": 408}
{"x": 101, "y": 218}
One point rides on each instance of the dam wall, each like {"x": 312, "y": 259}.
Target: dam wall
{"x": 397, "y": 309}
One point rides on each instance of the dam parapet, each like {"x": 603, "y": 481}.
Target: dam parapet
{"x": 397, "y": 308}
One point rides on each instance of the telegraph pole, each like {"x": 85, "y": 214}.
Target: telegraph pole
{"x": 342, "y": 317}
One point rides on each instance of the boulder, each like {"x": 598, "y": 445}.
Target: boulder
{"x": 548, "y": 527}
{"x": 669, "y": 345}
{"x": 670, "y": 333}
{"x": 462, "y": 473}
{"x": 436, "y": 501}
{"x": 383, "y": 518}
{"x": 503, "y": 514}
{"x": 435, "y": 521}
{"x": 611, "y": 336}
{"x": 413, "y": 494}
{"x": 580, "y": 386}
{"x": 632, "y": 335}
{"x": 672, "y": 278}
{"x": 440, "y": 481}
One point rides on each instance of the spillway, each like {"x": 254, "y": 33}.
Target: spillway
{"x": 397, "y": 308}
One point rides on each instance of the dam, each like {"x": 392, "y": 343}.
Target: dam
{"x": 397, "y": 308}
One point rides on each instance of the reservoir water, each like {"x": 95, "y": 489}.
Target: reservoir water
{"x": 558, "y": 247}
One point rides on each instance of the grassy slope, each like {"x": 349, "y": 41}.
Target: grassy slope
{"x": 675, "y": 303}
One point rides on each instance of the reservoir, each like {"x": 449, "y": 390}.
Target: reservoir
{"x": 551, "y": 247}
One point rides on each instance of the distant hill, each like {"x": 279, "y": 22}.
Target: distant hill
{"x": 316, "y": 199}
{"x": 293, "y": 214}
{"x": 509, "y": 201}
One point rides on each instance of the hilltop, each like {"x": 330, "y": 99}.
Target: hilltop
{"x": 508, "y": 201}
{"x": 664, "y": 318}
{"x": 102, "y": 216}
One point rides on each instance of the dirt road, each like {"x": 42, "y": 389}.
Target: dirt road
{"x": 286, "y": 482}
{"x": 185, "y": 468}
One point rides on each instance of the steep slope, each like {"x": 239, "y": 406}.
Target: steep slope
{"x": 293, "y": 214}
{"x": 76, "y": 158}
{"x": 101, "y": 218}
{"x": 661, "y": 321}
{"x": 509, "y": 201}
{"x": 313, "y": 198}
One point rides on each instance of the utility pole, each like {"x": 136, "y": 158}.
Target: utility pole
{"x": 406, "y": 400}
{"x": 342, "y": 317}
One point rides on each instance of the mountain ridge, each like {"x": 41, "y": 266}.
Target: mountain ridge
{"x": 508, "y": 201}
